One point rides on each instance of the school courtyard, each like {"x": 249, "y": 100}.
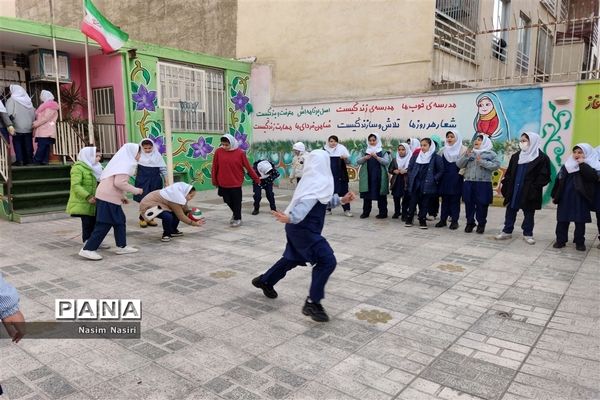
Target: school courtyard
{"x": 415, "y": 314}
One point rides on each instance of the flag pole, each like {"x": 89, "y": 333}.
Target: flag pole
{"x": 60, "y": 115}
{"x": 88, "y": 88}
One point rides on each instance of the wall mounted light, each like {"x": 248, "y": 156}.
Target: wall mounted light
{"x": 562, "y": 100}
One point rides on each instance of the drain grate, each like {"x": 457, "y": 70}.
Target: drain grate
{"x": 503, "y": 314}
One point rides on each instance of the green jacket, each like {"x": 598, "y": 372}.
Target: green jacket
{"x": 363, "y": 175}
{"x": 83, "y": 186}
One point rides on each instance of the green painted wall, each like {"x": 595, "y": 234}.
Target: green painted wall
{"x": 587, "y": 114}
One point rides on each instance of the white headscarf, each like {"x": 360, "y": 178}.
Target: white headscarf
{"x": 263, "y": 168}
{"x": 176, "y": 192}
{"x": 18, "y": 94}
{"x": 87, "y": 155}
{"x": 424, "y": 158}
{"x": 299, "y": 146}
{"x": 403, "y": 161}
{"x": 452, "y": 152}
{"x": 45, "y": 96}
{"x": 486, "y": 145}
{"x": 316, "y": 182}
{"x": 338, "y": 151}
{"x": 152, "y": 159}
{"x": 374, "y": 149}
{"x": 532, "y": 151}
{"x": 414, "y": 144}
{"x": 232, "y": 141}
{"x": 123, "y": 162}
{"x": 2, "y": 108}
{"x": 591, "y": 158}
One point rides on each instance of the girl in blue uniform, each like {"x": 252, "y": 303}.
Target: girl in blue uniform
{"x": 452, "y": 181}
{"x": 151, "y": 171}
{"x": 373, "y": 177}
{"x": 339, "y": 157}
{"x": 478, "y": 163}
{"x": 574, "y": 193}
{"x": 523, "y": 185}
{"x": 304, "y": 218}
{"x": 425, "y": 171}
{"x": 399, "y": 182}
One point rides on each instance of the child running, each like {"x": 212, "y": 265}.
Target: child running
{"x": 452, "y": 181}
{"x": 399, "y": 182}
{"x": 228, "y": 167}
{"x": 479, "y": 163}
{"x": 110, "y": 195}
{"x": 574, "y": 193}
{"x": 373, "y": 177}
{"x": 172, "y": 204}
{"x": 150, "y": 173}
{"x": 304, "y": 218}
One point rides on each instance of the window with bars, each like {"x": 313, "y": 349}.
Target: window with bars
{"x": 500, "y": 19}
{"x": 455, "y": 26}
{"x": 543, "y": 58}
{"x": 203, "y": 89}
{"x": 523, "y": 44}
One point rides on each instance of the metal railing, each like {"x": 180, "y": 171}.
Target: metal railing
{"x": 71, "y": 137}
{"x": 5, "y": 168}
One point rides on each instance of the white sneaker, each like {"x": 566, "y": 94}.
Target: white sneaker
{"x": 348, "y": 213}
{"x": 328, "y": 212}
{"x": 503, "y": 236}
{"x": 90, "y": 255}
{"x": 236, "y": 223}
{"x": 104, "y": 246}
{"x": 529, "y": 239}
{"x": 126, "y": 250}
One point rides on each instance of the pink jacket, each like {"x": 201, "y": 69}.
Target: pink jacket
{"x": 113, "y": 188}
{"x": 45, "y": 120}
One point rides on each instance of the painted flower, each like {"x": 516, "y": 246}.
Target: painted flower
{"x": 201, "y": 148}
{"x": 144, "y": 99}
{"x": 159, "y": 142}
{"x": 240, "y": 101}
{"x": 241, "y": 139}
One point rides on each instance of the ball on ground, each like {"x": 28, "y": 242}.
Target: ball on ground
{"x": 195, "y": 214}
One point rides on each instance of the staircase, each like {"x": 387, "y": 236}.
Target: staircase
{"x": 39, "y": 192}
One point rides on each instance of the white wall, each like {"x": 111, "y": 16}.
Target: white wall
{"x": 7, "y": 8}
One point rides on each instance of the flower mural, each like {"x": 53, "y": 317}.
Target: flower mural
{"x": 242, "y": 140}
{"x": 239, "y": 101}
{"x": 159, "y": 142}
{"x": 144, "y": 99}
{"x": 201, "y": 148}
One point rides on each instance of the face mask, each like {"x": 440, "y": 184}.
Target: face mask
{"x": 523, "y": 146}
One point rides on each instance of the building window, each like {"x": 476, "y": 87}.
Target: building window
{"x": 198, "y": 95}
{"x": 543, "y": 58}
{"x": 500, "y": 19}
{"x": 523, "y": 44}
{"x": 455, "y": 27}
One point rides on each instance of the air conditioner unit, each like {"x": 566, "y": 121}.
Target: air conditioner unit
{"x": 41, "y": 64}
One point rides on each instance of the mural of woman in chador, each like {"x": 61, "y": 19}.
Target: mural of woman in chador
{"x": 491, "y": 119}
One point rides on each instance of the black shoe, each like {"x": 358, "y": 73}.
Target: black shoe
{"x": 480, "y": 229}
{"x": 363, "y": 216}
{"x": 422, "y": 224}
{"x": 177, "y": 233}
{"x": 469, "y": 228}
{"x": 440, "y": 224}
{"x": 453, "y": 225}
{"x": 381, "y": 216}
{"x": 580, "y": 247}
{"x": 315, "y": 311}
{"x": 408, "y": 223}
{"x": 165, "y": 238}
{"x": 268, "y": 290}
{"x": 17, "y": 164}
{"x": 558, "y": 245}
{"x": 395, "y": 216}
{"x": 255, "y": 211}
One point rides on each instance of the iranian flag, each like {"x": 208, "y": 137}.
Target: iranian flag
{"x": 97, "y": 27}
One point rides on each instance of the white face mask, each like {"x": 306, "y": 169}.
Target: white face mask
{"x": 523, "y": 146}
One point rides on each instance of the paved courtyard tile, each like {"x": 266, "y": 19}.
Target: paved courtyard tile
{"x": 415, "y": 314}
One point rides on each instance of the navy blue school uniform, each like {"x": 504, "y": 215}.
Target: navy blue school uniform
{"x": 374, "y": 190}
{"x": 149, "y": 179}
{"x": 450, "y": 189}
{"x": 305, "y": 244}
{"x": 266, "y": 184}
{"x": 399, "y": 192}
{"x": 340, "y": 178}
{"x": 423, "y": 180}
{"x": 108, "y": 215}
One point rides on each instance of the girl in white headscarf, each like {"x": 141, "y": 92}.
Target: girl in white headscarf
{"x": 399, "y": 182}
{"x": 523, "y": 185}
{"x": 172, "y": 201}
{"x": 110, "y": 195}
{"x": 304, "y": 218}
{"x": 45, "y": 127}
{"x": 339, "y": 158}
{"x": 452, "y": 181}
{"x": 373, "y": 177}
{"x": 85, "y": 174}
{"x": 151, "y": 171}
{"x": 20, "y": 109}
{"x": 479, "y": 162}
{"x": 6, "y": 124}
{"x": 229, "y": 163}
{"x": 573, "y": 191}
{"x": 297, "y": 162}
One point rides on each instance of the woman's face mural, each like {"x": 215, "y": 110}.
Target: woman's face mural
{"x": 485, "y": 106}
